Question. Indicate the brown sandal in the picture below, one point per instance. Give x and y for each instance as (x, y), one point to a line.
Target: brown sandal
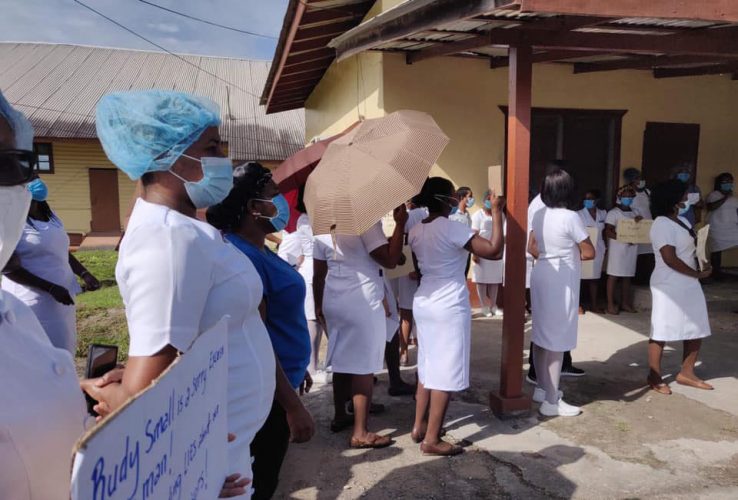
(661, 388)
(441, 449)
(418, 436)
(374, 441)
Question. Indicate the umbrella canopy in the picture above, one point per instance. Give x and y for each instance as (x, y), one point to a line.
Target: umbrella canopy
(293, 173)
(374, 168)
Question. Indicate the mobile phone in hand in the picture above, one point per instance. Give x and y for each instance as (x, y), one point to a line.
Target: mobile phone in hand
(100, 360)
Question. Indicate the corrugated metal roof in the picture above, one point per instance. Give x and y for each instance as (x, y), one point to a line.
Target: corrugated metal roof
(58, 86)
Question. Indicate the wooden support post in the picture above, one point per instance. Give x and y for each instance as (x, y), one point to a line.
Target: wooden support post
(510, 398)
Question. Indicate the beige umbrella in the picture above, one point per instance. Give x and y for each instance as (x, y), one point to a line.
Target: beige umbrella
(376, 167)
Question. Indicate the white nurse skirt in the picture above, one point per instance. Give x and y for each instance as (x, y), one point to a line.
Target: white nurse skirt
(488, 271)
(555, 302)
(679, 310)
(357, 325)
(443, 318)
(59, 321)
(621, 259)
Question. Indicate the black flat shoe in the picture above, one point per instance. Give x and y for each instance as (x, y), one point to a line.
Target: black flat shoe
(342, 424)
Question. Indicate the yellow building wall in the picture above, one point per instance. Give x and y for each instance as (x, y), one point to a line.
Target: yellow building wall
(349, 91)
(69, 185)
(464, 96)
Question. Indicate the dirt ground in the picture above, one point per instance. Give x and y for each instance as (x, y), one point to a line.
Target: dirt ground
(628, 443)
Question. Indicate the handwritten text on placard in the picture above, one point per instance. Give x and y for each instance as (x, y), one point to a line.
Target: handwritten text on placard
(170, 441)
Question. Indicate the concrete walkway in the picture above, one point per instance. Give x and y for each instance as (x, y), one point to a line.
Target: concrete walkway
(629, 442)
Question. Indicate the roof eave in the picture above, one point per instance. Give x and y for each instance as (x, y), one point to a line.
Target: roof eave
(408, 18)
(290, 23)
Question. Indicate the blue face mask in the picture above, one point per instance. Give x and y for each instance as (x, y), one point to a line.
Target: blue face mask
(38, 190)
(626, 202)
(683, 176)
(216, 182)
(725, 187)
(279, 220)
(470, 202)
(683, 210)
(488, 204)
(589, 204)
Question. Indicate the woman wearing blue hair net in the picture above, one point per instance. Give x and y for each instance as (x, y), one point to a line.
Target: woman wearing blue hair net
(177, 275)
(42, 411)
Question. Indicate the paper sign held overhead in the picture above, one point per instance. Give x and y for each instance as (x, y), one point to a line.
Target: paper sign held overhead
(494, 180)
(170, 440)
(630, 231)
(703, 254)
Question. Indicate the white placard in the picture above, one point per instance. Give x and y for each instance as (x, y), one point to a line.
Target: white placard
(703, 256)
(630, 231)
(402, 269)
(170, 440)
(588, 265)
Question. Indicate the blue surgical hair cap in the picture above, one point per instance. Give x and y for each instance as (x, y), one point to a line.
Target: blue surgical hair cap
(22, 128)
(147, 130)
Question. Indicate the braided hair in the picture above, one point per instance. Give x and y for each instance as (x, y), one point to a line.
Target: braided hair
(249, 180)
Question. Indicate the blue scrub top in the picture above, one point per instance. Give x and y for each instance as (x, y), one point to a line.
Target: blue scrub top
(284, 294)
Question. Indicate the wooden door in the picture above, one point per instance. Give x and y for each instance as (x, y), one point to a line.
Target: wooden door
(104, 200)
(667, 145)
(588, 144)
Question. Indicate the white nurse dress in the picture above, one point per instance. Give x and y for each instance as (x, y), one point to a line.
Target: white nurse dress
(405, 286)
(621, 257)
(723, 222)
(352, 301)
(556, 277)
(486, 271)
(598, 222)
(679, 309)
(304, 234)
(441, 307)
(42, 410)
(642, 207)
(178, 277)
(43, 250)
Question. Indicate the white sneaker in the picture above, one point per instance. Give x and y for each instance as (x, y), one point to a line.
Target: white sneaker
(561, 409)
(539, 395)
(486, 312)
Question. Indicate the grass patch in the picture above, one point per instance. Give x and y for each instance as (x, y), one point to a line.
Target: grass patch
(100, 315)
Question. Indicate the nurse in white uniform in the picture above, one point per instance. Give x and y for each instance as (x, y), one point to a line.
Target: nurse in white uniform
(349, 296)
(593, 216)
(305, 235)
(487, 275)
(405, 288)
(641, 206)
(177, 275)
(42, 411)
(559, 242)
(621, 257)
(722, 215)
(42, 271)
(442, 310)
(679, 309)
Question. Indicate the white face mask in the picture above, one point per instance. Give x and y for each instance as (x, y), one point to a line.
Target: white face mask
(14, 203)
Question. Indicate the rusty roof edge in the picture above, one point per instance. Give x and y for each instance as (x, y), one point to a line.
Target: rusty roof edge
(289, 20)
(393, 23)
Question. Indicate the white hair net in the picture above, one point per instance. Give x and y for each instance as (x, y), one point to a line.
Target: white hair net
(147, 130)
(19, 123)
